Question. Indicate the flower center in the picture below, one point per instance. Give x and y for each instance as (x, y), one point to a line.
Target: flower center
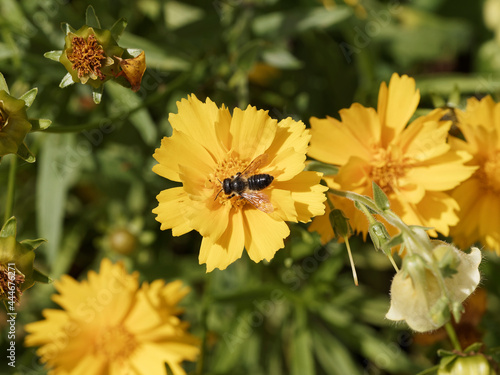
(87, 56)
(115, 343)
(227, 169)
(488, 173)
(7, 279)
(387, 169)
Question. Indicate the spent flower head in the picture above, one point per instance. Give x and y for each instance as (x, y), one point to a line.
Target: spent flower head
(17, 272)
(110, 325)
(92, 56)
(242, 178)
(14, 122)
(413, 165)
(479, 196)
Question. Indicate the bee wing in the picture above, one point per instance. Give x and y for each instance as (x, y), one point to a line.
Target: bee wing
(254, 165)
(259, 200)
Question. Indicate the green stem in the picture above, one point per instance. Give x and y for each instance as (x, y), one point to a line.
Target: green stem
(200, 367)
(417, 244)
(178, 82)
(9, 205)
(353, 268)
(453, 336)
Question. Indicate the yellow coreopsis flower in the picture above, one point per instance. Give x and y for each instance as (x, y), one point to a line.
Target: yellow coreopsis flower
(413, 165)
(479, 196)
(109, 325)
(210, 152)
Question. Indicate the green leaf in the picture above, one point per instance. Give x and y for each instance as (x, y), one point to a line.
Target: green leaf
(179, 14)
(124, 99)
(318, 166)
(157, 57)
(24, 153)
(302, 361)
(66, 28)
(66, 81)
(281, 58)
(53, 55)
(475, 347)
(97, 94)
(380, 198)
(60, 163)
(118, 28)
(40, 277)
(38, 124)
(91, 18)
(9, 229)
(29, 96)
(394, 241)
(321, 18)
(134, 52)
(33, 244)
(332, 355)
(3, 84)
(454, 98)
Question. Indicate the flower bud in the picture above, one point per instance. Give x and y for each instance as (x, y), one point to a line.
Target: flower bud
(14, 124)
(16, 263)
(419, 298)
(340, 224)
(475, 364)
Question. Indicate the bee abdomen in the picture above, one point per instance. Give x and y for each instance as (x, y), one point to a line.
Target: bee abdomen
(259, 181)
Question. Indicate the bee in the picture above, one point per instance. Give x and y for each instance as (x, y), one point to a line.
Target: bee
(248, 185)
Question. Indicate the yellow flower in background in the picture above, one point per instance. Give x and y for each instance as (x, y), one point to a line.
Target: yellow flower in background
(413, 165)
(207, 150)
(479, 196)
(108, 325)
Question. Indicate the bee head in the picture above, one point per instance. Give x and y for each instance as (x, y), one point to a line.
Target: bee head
(226, 186)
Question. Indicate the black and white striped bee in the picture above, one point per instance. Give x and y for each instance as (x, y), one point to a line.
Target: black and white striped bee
(248, 185)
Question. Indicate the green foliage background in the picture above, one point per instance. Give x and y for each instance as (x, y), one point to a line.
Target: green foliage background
(92, 182)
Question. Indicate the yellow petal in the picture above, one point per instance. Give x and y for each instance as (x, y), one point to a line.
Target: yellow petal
(363, 123)
(253, 132)
(182, 149)
(172, 211)
(443, 172)
(307, 193)
(227, 248)
(263, 235)
(198, 120)
(210, 218)
(438, 210)
(396, 105)
(332, 142)
(425, 137)
(288, 149)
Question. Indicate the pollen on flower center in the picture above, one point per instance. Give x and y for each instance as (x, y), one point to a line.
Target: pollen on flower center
(87, 57)
(6, 283)
(488, 173)
(387, 170)
(115, 343)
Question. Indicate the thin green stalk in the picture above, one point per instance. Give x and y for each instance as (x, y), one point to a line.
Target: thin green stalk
(206, 301)
(9, 204)
(354, 274)
(453, 336)
(178, 82)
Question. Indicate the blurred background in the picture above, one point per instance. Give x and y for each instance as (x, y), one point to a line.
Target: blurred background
(91, 191)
